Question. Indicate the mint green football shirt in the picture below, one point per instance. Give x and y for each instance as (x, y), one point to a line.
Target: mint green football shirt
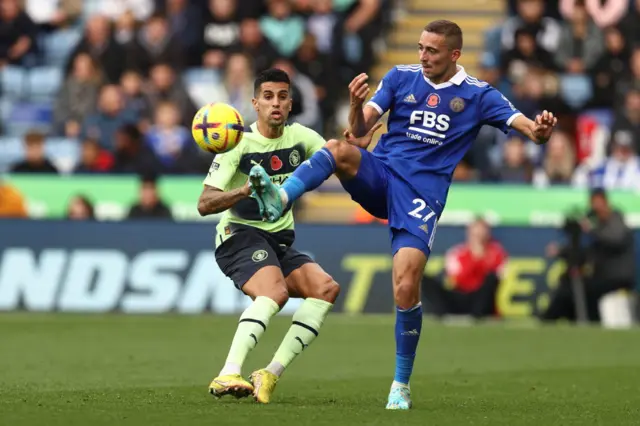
(280, 158)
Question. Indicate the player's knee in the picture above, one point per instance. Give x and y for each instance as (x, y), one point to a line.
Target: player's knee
(324, 289)
(280, 296)
(343, 153)
(278, 293)
(333, 145)
(406, 295)
(406, 289)
(329, 290)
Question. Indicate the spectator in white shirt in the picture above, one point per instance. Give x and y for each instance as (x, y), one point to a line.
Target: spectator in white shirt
(620, 171)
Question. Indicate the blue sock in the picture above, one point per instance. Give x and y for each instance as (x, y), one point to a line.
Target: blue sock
(408, 328)
(310, 174)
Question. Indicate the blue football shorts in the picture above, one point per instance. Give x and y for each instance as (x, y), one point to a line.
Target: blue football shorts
(413, 218)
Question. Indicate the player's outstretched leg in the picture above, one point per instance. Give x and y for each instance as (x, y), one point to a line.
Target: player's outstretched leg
(321, 291)
(252, 324)
(408, 268)
(266, 193)
(335, 156)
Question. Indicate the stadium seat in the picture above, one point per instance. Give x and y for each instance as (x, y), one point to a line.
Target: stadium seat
(13, 81)
(12, 152)
(59, 45)
(64, 153)
(44, 82)
(6, 104)
(25, 116)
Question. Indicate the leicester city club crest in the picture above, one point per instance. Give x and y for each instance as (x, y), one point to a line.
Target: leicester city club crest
(456, 104)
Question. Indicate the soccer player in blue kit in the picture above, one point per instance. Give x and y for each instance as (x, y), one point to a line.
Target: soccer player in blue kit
(435, 112)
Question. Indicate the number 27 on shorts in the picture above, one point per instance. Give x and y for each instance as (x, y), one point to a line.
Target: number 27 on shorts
(426, 218)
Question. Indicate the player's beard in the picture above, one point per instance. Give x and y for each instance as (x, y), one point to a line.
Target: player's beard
(276, 122)
(432, 73)
(439, 75)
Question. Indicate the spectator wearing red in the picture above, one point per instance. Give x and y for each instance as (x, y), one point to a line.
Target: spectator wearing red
(473, 271)
(93, 158)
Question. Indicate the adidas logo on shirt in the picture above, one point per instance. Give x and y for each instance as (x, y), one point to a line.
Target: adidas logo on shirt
(410, 99)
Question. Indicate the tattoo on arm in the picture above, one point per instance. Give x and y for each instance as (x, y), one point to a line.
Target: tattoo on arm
(214, 200)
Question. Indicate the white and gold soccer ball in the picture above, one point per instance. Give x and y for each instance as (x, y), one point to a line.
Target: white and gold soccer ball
(217, 127)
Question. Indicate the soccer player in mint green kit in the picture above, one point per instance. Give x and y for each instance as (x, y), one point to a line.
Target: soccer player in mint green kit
(258, 256)
(435, 112)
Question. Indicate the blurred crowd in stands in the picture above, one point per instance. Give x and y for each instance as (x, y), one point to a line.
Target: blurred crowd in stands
(581, 60)
(93, 86)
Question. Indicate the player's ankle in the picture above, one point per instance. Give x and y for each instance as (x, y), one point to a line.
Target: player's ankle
(396, 384)
(275, 368)
(230, 368)
(284, 197)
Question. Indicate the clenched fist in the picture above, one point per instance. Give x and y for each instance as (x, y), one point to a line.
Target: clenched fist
(358, 90)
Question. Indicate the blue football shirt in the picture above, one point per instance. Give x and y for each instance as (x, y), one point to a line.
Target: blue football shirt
(431, 126)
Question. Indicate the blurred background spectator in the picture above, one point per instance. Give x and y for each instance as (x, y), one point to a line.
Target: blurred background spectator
(87, 71)
(473, 271)
(35, 160)
(580, 59)
(149, 204)
(604, 265)
(80, 208)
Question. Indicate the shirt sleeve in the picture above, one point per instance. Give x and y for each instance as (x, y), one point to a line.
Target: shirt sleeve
(496, 110)
(382, 99)
(222, 169)
(312, 140)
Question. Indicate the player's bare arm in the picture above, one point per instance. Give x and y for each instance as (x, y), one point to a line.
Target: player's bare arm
(214, 200)
(361, 120)
(539, 130)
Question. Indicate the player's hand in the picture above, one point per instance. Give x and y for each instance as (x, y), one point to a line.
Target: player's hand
(544, 125)
(246, 189)
(358, 90)
(364, 141)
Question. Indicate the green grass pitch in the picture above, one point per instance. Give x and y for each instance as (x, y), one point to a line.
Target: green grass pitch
(117, 369)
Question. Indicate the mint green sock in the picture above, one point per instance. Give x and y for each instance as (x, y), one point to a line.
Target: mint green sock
(307, 321)
(253, 323)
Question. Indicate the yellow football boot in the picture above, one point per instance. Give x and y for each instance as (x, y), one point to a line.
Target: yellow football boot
(231, 384)
(264, 383)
